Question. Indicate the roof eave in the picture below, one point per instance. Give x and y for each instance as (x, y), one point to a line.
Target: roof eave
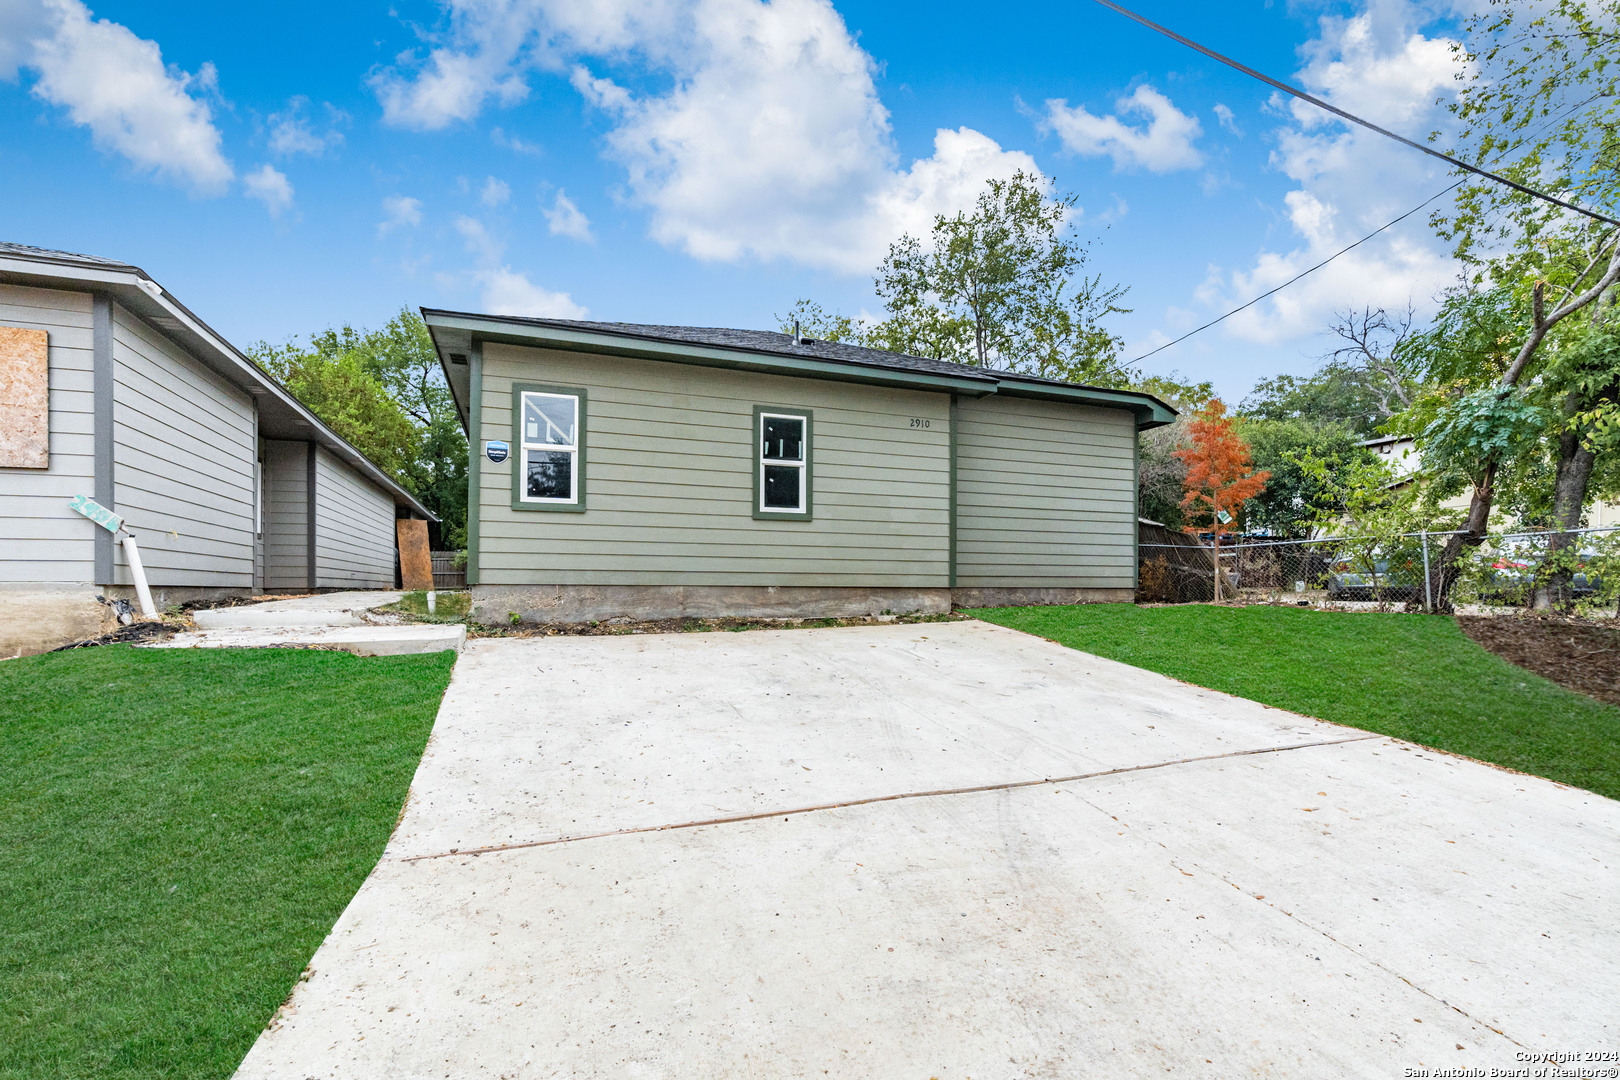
(1150, 412)
(138, 292)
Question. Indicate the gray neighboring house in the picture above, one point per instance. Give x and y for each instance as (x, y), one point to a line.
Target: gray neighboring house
(622, 470)
(230, 486)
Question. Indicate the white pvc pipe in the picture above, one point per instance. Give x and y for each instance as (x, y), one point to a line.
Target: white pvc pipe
(431, 597)
(138, 573)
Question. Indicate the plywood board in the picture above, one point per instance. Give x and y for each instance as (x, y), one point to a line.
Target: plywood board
(25, 399)
(415, 560)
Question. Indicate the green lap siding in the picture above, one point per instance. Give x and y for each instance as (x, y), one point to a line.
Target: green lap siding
(670, 452)
(1046, 495)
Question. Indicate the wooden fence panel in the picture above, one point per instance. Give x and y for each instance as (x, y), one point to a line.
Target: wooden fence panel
(449, 571)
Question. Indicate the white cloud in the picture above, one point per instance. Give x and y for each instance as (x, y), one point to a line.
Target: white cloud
(270, 187)
(769, 142)
(507, 291)
(500, 137)
(1349, 181)
(22, 22)
(402, 210)
(454, 81)
(116, 84)
(1163, 144)
(494, 192)
(292, 131)
(566, 219)
(1227, 118)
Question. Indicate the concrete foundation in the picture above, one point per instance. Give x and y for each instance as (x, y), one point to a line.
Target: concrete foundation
(39, 618)
(977, 598)
(496, 604)
(165, 596)
(595, 603)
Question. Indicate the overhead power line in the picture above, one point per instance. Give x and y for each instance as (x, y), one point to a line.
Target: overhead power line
(1296, 277)
(1354, 119)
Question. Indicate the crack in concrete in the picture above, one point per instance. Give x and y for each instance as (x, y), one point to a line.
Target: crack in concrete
(1353, 950)
(870, 800)
(1363, 957)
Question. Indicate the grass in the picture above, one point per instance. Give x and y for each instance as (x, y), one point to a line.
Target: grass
(448, 607)
(178, 832)
(1411, 676)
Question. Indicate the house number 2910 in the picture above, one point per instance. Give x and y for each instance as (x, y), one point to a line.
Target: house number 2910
(917, 421)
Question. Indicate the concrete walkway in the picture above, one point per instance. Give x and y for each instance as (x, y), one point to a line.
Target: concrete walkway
(340, 620)
(1233, 890)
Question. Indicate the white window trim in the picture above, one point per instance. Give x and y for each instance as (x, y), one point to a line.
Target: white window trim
(552, 448)
(803, 464)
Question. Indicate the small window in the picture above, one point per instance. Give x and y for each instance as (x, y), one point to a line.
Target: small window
(782, 477)
(549, 439)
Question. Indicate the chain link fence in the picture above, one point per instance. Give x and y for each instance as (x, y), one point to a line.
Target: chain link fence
(1385, 573)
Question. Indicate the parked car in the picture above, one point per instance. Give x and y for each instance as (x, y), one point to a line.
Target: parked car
(1509, 579)
(1514, 572)
(1349, 580)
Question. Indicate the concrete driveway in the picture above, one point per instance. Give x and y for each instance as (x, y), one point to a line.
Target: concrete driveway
(1226, 889)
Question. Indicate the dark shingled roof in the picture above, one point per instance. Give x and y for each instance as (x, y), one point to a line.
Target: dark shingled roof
(773, 343)
(66, 257)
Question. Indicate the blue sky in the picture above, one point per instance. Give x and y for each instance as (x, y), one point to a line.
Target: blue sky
(710, 161)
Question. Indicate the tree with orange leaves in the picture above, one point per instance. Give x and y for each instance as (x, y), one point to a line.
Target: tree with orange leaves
(1218, 478)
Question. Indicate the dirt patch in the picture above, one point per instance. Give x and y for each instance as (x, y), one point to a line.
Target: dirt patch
(133, 634)
(1581, 656)
(239, 601)
(611, 627)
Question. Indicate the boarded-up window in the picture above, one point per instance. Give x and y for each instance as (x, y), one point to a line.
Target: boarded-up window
(25, 399)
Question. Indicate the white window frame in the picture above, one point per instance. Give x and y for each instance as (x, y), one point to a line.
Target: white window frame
(803, 464)
(525, 446)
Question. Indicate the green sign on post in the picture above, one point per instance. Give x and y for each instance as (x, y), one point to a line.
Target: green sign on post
(97, 513)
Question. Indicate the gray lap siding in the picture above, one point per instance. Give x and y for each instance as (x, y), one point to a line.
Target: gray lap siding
(286, 515)
(41, 539)
(354, 529)
(183, 451)
(670, 452)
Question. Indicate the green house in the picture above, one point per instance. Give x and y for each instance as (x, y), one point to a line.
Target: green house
(653, 472)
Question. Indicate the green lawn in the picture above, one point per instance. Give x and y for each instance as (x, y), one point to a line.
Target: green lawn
(179, 829)
(1415, 677)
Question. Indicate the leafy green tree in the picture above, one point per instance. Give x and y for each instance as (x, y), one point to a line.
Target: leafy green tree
(1002, 285)
(1363, 504)
(349, 399)
(809, 319)
(1539, 102)
(383, 391)
(1336, 394)
(1582, 386)
(1296, 499)
(1363, 383)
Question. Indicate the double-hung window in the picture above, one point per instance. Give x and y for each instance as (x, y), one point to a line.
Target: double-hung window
(782, 473)
(550, 438)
